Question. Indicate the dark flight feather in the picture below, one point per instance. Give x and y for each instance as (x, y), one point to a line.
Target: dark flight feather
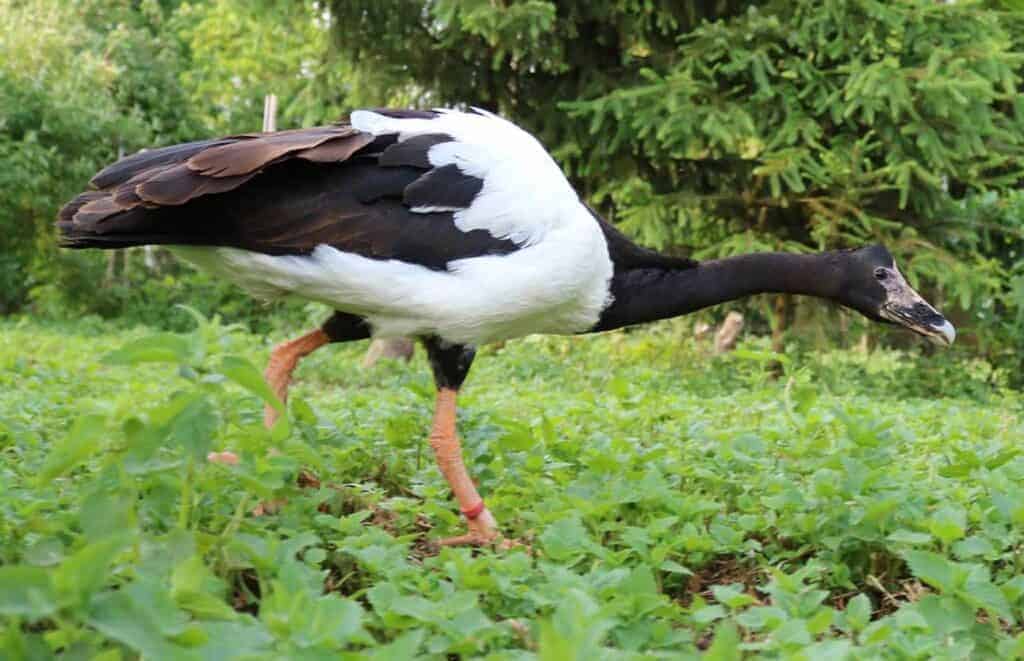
(446, 187)
(128, 167)
(288, 192)
(67, 213)
(413, 151)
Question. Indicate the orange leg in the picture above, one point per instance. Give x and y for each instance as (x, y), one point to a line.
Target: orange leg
(443, 439)
(283, 360)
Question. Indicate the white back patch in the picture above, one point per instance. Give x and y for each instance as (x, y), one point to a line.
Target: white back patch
(524, 196)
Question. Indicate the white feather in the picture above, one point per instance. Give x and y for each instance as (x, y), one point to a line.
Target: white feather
(525, 195)
(430, 209)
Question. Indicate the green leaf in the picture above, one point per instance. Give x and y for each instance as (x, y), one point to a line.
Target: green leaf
(973, 547)
(120, 616)
(194, 426)
(980, 592)
(904, 536)
(26, 592)
(858, 612)
(565, 539)
(85, 572)
(932, 568)
(725, 645)
(191, 583)
(948, 524)
(708, 614)
(516, 437)
(674, 567)
(946, 615)
(1013, 589)
(732, 596)
(104, 513)
(81, 442)
(160, 348)
(332, 621)
(245, 374)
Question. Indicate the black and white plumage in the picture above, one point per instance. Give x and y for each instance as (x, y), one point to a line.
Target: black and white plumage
(457, 225)
(457, 228)
(447, 224)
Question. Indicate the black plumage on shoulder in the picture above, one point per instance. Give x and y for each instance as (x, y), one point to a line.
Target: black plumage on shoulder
(412, 151)
(446, 187)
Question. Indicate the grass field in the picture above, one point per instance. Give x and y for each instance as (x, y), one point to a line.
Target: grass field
(670, 503)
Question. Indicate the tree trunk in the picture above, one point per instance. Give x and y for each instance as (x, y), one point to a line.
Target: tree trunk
(115, 267)
(780, 323)
(729, 332)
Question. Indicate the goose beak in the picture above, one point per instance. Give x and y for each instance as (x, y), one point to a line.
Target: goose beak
(924, 320)
(905, 307)
(944, 335)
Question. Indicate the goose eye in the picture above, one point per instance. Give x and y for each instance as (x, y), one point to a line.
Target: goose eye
(881, 274)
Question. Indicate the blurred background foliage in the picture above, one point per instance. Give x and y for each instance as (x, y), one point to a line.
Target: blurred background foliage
(713, 128)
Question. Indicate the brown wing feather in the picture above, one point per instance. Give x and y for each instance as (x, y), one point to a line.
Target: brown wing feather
(176, 175)
(150, 159)
(319, 186)
(245, 157)
(96, 211)
(335, 151)
(71, 208)
(178, 184)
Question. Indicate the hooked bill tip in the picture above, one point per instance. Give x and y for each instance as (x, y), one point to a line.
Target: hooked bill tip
(944, 334)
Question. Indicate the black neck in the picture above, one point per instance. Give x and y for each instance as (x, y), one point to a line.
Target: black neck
(647, 294)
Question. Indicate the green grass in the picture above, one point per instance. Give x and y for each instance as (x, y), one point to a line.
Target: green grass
(674, 504)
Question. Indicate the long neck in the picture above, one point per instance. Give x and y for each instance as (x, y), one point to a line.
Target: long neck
(647, 294)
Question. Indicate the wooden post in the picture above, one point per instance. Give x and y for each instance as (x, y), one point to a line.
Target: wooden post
(780, 322)
(270, 113)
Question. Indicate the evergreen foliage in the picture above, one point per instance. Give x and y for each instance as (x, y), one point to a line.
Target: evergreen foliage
(797, 125)
(82, 82)
(713, 128)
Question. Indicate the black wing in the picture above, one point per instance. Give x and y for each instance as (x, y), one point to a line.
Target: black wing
(284, 194)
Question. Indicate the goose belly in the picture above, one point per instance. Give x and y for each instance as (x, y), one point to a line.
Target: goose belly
(559, 285)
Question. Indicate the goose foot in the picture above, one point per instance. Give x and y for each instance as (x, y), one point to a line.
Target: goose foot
(483, 531)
